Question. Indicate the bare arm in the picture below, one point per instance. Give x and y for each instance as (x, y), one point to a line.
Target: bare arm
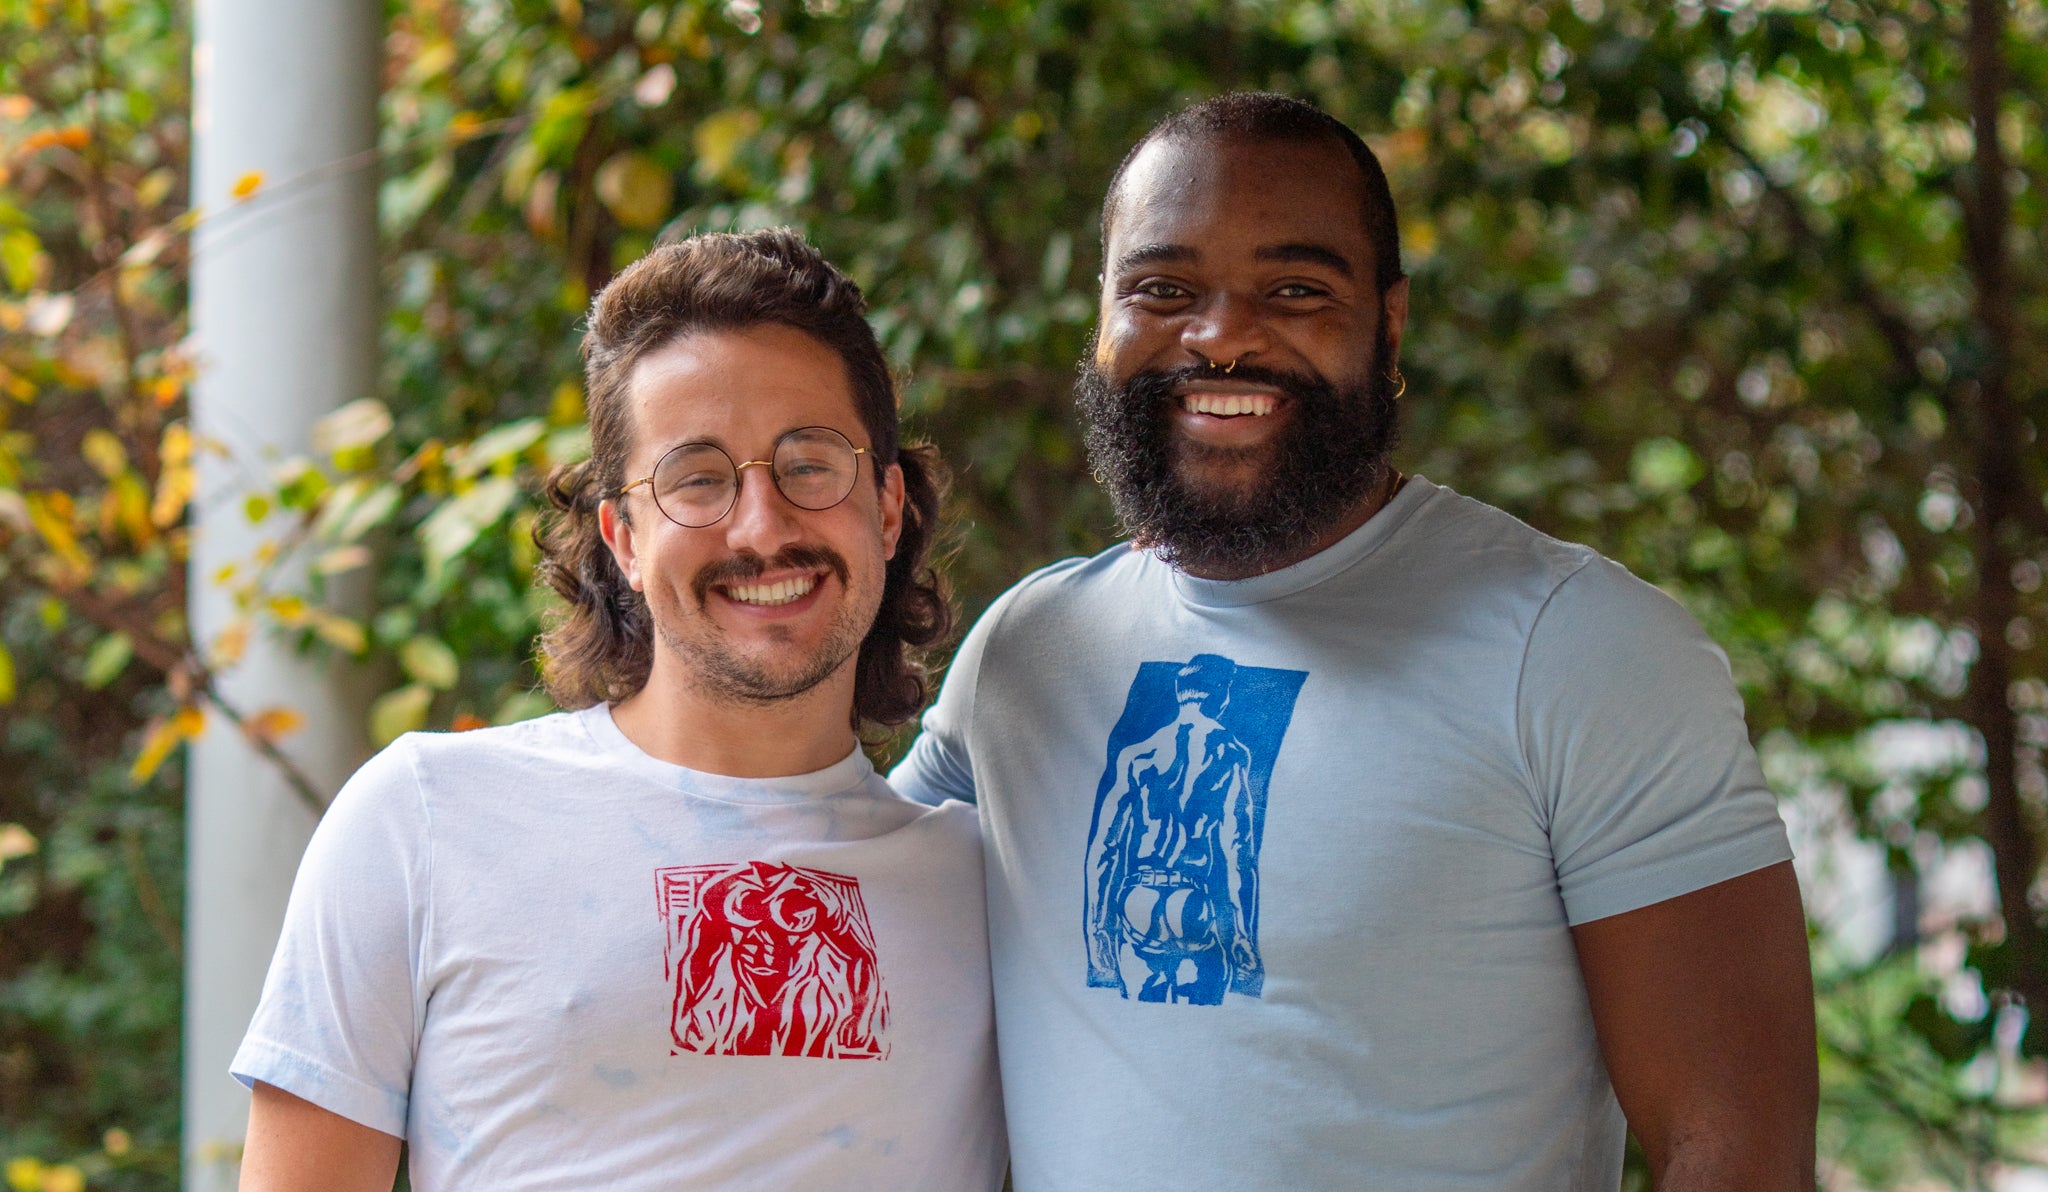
(296, 1146)
(1704, 1009)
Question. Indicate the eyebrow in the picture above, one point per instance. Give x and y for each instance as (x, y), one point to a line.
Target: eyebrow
(1310, 254)
(1304, 253)
(1152, 254)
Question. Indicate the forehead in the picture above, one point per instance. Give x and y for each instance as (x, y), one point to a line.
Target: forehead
(739, 388)
(1223, 196)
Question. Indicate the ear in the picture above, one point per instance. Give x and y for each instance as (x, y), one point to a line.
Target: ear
(892, 509)
(618, 535)
(1394, 309)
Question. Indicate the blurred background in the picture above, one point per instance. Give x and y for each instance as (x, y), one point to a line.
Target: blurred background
(1749, 296)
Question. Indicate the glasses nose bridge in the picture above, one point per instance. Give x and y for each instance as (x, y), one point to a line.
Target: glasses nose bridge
(739, 482)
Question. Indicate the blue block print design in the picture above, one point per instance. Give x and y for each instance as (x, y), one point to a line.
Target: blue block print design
(1171, 912)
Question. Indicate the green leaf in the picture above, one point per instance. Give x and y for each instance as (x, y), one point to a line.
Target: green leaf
(429, 660)
(399, 712)
(499, 444)
(355, 508)
(20, 257)
(454, 526)
(107, 658)
(358, 424)
(522, 705)
(1664, 466)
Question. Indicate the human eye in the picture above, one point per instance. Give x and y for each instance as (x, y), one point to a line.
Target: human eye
(1300, 291)
(1158, 289)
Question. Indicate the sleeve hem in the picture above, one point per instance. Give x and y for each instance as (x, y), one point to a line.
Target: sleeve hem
(1623, 892)
(310, 1080)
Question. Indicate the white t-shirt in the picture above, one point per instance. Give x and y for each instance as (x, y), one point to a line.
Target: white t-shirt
(550, 961)
(1281, 871)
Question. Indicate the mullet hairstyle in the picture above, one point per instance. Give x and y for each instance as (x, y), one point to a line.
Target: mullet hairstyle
(600, 648)
(1267, 116)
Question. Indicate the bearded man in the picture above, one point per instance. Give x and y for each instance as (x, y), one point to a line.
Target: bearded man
(682, 936)
(1503, 876)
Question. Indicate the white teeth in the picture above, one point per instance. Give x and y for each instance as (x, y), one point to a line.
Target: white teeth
(1258, 405)
(780, 592)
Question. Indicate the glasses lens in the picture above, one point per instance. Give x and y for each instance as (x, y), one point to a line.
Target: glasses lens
(815, 467)
(695, 484)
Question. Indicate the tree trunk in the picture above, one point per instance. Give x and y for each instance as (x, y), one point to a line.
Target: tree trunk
(1998, 431)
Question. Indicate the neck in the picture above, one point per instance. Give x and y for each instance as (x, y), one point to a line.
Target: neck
(677, 721)
(1374, 500)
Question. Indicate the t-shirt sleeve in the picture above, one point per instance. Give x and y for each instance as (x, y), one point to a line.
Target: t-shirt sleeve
(1634, 736)
(939, 765)
(338, 1023)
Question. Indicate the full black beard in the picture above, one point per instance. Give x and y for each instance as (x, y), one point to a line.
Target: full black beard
(1335, 450)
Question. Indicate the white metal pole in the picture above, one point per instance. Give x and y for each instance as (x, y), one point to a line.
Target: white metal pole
(285, 319)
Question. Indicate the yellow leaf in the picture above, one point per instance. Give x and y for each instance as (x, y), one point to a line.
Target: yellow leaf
(51, 514)
(104, 452)
(25, 1174)
(342, 558)
(399, 712)
(190, 721)
(6, 675)
(289, 609)
(719, 138)
(635, 189)
(464, 125)
(229, 645)
(158, 740)
(16, 842)
(337, 631)
(63, 1178)
(272, 723)
(131, 504)
(248, 184)
(177, 481)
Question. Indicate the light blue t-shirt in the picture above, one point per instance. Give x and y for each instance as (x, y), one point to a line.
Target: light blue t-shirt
(1281, 871)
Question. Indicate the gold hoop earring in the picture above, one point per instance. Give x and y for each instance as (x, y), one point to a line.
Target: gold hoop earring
(1399, 381)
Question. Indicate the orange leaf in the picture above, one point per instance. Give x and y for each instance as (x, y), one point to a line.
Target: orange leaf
(163, 736)
(465, 721)
(272, 723)
(248, 184)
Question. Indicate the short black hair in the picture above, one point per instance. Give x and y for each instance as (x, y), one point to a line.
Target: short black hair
(1269, 116)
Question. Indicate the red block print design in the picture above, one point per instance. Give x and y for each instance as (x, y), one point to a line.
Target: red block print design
(770, 959)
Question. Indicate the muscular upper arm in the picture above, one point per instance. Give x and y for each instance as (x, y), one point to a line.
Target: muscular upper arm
(296, 1145)
(1704, 1009)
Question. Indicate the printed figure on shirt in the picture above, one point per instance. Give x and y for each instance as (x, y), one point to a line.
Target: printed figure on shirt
(1172, 901)
(769, 959)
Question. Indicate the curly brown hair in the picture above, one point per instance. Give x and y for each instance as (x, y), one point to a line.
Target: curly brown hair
(600, 647)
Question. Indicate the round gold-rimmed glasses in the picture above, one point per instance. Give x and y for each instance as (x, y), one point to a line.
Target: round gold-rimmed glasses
(696, 484)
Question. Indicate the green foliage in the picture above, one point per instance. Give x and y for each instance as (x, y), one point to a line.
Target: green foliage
(1692, 283)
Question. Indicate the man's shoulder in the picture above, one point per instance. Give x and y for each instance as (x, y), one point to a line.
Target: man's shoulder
(525, 747)
(1066, 586)
(1455, 525)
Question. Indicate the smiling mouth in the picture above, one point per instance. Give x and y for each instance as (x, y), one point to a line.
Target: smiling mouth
(766, 595)
(1230, 405)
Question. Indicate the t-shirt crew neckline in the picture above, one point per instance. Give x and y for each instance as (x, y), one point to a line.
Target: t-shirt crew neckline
(843, 775)
(1346, 552)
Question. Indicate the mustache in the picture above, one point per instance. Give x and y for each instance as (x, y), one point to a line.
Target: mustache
(748, 565)
(1153, 382)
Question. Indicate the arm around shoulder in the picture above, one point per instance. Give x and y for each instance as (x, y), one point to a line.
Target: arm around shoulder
(296, 1146)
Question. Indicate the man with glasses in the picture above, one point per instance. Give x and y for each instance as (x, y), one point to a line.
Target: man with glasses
(681, 936)
(1349, 833)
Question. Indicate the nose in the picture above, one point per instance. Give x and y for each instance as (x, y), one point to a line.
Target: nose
(762, 519)
(1225, 328)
